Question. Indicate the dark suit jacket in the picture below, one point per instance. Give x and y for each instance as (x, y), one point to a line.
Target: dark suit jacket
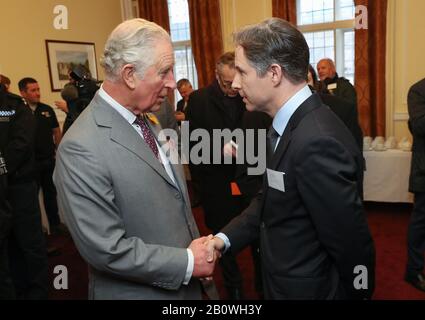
(344, 89)
(4, 207)
(416, 106)
(180, 105)
(208, 109)
(347, 112)
(315, 233)
(17, 132)
(249, 185)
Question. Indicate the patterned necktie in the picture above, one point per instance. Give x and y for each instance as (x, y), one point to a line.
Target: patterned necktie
(147, 134)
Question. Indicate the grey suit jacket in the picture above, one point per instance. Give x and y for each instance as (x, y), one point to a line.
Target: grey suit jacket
(129, 221)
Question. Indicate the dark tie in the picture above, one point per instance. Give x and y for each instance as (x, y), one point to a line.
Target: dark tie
(147, 134)
(272, 136)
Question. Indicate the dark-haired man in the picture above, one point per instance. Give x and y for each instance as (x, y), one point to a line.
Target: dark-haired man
(184, 87)
(47, 138)
(314, 238)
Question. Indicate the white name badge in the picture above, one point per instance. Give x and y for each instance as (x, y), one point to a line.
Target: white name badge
(276, 180)
(332, 86)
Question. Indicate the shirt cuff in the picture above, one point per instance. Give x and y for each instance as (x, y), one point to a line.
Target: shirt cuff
(190, 265)
(226, 240)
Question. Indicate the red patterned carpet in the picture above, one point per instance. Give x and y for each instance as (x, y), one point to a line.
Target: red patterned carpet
(388, 223)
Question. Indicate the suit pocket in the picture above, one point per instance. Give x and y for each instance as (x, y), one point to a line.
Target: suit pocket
(294, 288)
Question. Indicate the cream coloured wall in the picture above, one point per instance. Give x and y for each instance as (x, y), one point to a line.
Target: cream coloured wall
(405, 63)
(26, 24)
(238, 13)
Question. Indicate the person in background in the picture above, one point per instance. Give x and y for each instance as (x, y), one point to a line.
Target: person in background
(47, 138)
(5, 81)
(309, 217)
(250, 185)
(416, 232)
(27, 251)
(334, 84)
(76, 94)
(344, 109)
(219, 107)
(185, 89)
(7, 291)
(125, 203)
(165, 116)
(69, 95)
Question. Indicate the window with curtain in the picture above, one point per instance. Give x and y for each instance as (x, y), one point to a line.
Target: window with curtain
(328, 26)
(180, 36)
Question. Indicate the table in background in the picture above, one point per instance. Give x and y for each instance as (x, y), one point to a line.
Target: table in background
(387, 176)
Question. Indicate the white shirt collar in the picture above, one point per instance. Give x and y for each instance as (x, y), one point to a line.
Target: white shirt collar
(285, 113)
(127, 114)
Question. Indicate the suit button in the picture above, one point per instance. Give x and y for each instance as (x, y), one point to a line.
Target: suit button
(263, 225)
(178, 196)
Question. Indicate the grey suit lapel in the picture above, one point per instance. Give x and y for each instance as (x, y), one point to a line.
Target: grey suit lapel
(125, 135)
(178, 174)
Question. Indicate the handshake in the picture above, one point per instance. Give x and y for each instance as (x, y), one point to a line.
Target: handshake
(206, 251)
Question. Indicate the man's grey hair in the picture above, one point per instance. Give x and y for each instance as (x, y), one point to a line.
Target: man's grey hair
(131, 42)
(275, 41)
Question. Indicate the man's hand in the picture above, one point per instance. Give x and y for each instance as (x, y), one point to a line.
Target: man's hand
(205, 257)
(62, 105)
(215, 246)
(180, 116)
(230, 149)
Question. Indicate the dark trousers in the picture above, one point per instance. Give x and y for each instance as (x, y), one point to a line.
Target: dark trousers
(255, 252)
(232, 277)
(256, 258)
(416, 237)
(27, 248)
(7, 290)
(45, 170)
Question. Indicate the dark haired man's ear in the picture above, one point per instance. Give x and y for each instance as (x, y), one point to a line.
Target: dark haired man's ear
(276, 74)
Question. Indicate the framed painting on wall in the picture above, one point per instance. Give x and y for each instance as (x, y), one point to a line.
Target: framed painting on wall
(64, 56)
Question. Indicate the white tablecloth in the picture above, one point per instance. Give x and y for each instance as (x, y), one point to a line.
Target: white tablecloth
(387, 176)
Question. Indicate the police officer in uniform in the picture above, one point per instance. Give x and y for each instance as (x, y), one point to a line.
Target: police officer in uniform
(6, 286)
(47, 139)
(26, 244)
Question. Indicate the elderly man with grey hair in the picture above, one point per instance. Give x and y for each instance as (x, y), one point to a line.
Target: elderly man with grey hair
(125, 204)
(332, 83)
(314, 238)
